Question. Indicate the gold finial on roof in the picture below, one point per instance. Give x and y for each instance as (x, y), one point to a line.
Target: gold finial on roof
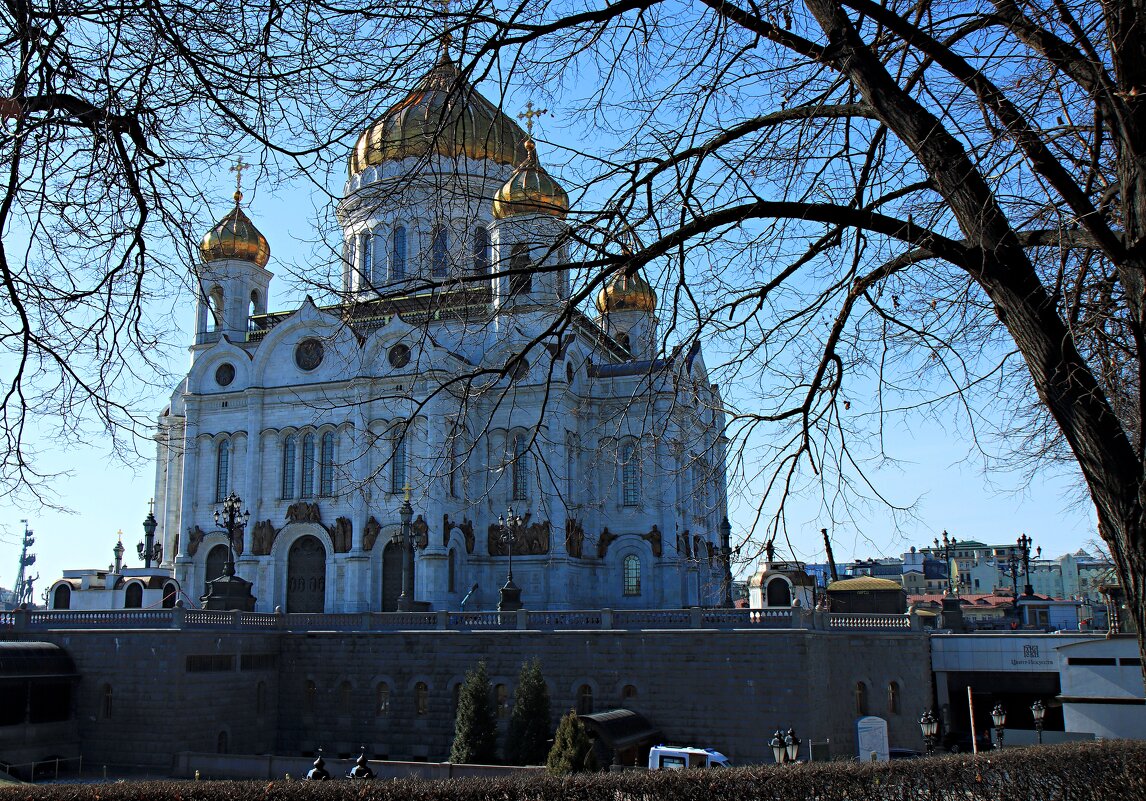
(240, 165)
(120, 534)
(151, 506)
(529, 114)
(444, 12)
(406, 491)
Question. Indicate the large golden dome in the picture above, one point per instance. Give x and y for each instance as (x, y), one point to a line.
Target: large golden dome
(625, 292)
(530, 190)
(235, 237)
(443, 115)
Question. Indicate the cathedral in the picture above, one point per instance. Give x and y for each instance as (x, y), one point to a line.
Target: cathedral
(461, 419)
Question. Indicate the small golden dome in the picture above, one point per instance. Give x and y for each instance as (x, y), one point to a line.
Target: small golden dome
(530, 190)
(235, 237)
(624, 292)
(442, 115)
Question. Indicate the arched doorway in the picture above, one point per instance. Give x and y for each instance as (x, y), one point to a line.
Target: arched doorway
(216, 561)
(62, 597)
(391, 576)
(778, 593)
(306, 576)
(133, 596)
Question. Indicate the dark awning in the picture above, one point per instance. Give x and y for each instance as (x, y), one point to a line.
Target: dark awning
(31, 660)
(621, 728)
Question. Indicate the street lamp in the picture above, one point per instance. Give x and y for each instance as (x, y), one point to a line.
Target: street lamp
(947, 548)
(229, 591)
(1038, 711)
(1025, 543)
(149, 550)
(929, 724)
(779, 749)
(726, 555)
(792, 745)
(510, 529)
(404, 539)
(999, 718)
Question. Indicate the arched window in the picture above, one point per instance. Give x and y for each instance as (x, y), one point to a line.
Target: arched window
(628, 695)
(501, 693)
(170, 591)
(481, 251)
(585, 700)
(326, 465)
(62, 597)
(521, 277)
(398, 254)
(222, 470)
(308, 466)
(382, 700)
(520, 468)
(309, 698)
(398, 463)
(365, 257)
(345, 698)
(216, 562)
(893, 698)
(253, 309)
(439, 251)
(452, 571)
(630, 475)
(216, 304)
(632, 573)
(133, 596)
(105, 707)
(861, 698)
(290, 455)
(779, 593)
(377, 274)
(421, 699)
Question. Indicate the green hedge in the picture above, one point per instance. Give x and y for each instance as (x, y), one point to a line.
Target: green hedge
(1110, 771)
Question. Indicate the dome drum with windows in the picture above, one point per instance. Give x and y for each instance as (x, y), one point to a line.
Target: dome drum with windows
(235, 237)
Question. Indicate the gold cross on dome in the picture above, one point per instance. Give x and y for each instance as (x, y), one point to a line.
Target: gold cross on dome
(529, 114)
(151, 506)
(240, 165)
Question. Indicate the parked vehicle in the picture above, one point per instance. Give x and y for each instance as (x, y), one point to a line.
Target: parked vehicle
(679, 757)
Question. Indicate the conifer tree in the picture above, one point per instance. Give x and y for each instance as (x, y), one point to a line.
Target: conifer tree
(527, 739)
(572, 750)
(475, 729)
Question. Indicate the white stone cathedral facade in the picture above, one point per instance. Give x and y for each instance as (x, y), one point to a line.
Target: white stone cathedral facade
(458, 367)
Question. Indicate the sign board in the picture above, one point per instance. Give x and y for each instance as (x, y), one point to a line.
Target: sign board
(871, 738)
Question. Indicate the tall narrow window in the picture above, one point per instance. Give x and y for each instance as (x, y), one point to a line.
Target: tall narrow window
(421, 698)
(455, 452)
(222, 470)
(892, 698)
(326, 465)
(398, 463)
(378, 260)
(452, 572)
(570, 468)
(439, 251)
(365, 257)
(861, 698)
(520, 278)
(630, 475)
(520, 468)
(481, 251)
(308, 466)
(398, 254)
(632, 573)
(290, 454)
(585, 700)
(382, 700)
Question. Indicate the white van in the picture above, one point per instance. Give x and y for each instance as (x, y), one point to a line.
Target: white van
(679, 757)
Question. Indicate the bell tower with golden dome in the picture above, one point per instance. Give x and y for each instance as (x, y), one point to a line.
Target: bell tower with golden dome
(233, 279)
(627, 306)
(528, 230)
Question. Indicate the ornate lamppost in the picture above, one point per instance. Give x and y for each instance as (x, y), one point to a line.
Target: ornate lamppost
(405, 541)
(929, 724)
(229, 591)
(779, 751)
(792, 746)
(1038, 711)
(510, 528)
(726, 555)
(999, 718)
(149, 550)
(947, 548)
(1025, 543)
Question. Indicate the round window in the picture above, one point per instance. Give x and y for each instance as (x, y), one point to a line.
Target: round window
(308, 354)
(225, 374)
(399, 356)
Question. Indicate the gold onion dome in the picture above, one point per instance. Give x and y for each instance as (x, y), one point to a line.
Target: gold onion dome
(235, 237)
(625, 292)
(530, 190)
(445, 116)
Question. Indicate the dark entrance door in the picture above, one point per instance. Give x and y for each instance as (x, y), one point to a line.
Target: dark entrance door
(778, 593)
(216, 562)
(391, 577)
(306, 576)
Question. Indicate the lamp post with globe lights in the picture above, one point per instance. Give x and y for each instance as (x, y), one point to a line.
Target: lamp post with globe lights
(229, 591)
(792, 746)
(929, 725)
(510, 529)
(999, 718)
(1038, 711)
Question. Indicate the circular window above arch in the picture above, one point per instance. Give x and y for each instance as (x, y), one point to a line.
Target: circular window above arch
(225, 374)
(308, 354)
(398, 356)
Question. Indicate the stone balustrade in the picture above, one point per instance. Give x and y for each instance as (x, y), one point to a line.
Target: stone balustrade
(536, 620)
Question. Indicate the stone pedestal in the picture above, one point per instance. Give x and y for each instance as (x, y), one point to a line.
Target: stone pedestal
(227, 593)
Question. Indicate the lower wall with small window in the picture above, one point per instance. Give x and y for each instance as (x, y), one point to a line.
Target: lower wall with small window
(148, 695)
